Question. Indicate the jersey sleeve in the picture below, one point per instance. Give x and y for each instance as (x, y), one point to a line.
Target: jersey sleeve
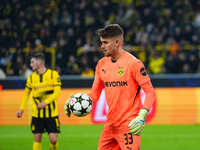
(56, 79)
(57, 88)
(150, 96)
(139, 73)
(97, 85)
(29, 82)
(143, 80)
(27, 92)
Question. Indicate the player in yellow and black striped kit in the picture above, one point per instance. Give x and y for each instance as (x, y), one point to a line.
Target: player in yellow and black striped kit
(44, 85)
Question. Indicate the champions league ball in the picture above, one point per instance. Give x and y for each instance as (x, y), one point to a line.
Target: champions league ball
(80, 104)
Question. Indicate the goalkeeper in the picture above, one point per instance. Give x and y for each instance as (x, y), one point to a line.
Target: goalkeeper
(122, 76)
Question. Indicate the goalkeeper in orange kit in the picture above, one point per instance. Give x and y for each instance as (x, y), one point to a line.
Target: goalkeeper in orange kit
(122, 76)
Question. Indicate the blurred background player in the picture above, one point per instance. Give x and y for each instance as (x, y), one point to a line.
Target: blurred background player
(45, 86)
(122, 76)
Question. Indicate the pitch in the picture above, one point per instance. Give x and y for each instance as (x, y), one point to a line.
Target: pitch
(85, 137)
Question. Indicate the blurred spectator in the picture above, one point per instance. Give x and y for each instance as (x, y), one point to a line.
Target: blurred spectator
(18, 66)
(2, 74)
(156, 63)
(186, 68)
(193, 63)
(72, 66)
(181, 62)
(170, 64)
(26, 71)
(87, 72)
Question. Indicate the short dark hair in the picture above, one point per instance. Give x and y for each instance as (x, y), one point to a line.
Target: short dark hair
(111, 30)
(38, 55)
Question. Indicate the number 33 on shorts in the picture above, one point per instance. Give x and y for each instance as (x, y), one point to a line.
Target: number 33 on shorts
(131, 142)
(128, 138)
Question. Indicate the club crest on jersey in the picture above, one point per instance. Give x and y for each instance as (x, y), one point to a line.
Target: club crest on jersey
(120, 72)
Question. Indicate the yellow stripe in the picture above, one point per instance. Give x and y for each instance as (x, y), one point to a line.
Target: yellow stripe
(34, 109)
(57, 123)
(51, 107)
(47, 111)
(33, 127)
(54, 111)
(41, 113)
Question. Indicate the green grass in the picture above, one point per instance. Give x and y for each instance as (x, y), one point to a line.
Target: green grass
(155, 137)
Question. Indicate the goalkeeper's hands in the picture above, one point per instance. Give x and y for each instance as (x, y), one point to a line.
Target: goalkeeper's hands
(136, 126)
(67, 109)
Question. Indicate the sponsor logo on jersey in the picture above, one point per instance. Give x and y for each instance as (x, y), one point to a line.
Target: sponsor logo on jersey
(44, 86)
(115, 83)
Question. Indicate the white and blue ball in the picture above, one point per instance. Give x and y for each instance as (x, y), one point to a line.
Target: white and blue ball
(80, 104)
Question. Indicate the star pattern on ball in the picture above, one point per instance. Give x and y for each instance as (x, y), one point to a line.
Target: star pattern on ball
(81, 105)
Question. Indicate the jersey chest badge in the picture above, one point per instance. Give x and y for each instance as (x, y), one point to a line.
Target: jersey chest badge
(120, 71)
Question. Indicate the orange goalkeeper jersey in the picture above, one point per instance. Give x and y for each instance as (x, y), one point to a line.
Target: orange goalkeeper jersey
(122, 81)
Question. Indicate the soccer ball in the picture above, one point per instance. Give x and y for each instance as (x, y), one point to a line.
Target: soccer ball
(80, 104)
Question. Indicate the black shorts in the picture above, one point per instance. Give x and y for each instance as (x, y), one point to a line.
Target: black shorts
(41, 125)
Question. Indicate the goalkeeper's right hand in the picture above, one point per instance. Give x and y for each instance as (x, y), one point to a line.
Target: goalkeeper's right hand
(67, 109)
(136, 126)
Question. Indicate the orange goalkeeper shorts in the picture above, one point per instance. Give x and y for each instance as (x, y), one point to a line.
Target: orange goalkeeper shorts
(118, 138)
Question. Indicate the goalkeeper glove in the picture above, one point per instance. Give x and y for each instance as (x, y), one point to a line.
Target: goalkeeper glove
(136, 126)
(67, 109)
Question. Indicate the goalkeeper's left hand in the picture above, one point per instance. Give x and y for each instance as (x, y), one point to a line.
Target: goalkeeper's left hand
(136, 126)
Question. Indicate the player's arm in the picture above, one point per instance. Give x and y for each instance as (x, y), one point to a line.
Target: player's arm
(97, 85)
(150, 95)
(94, 94)
(136, 126)
(25, 98)
(56, 91)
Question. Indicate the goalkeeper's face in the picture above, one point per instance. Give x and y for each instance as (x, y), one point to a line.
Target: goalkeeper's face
(109, 46)
(34, 64)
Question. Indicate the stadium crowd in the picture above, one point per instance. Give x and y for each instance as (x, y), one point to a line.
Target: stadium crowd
(165, 35)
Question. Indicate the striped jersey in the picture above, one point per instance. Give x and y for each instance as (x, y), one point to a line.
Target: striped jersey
(43, 88)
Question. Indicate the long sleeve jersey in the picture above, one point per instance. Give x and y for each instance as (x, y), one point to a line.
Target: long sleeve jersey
(122, 81)
(43, 88)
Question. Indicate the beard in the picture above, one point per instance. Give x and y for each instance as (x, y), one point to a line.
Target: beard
(107, 53)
